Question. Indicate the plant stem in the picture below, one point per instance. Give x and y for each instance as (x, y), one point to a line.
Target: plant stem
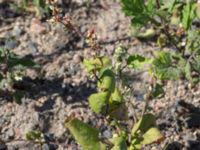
(106, 141)
(96, 77)
(157, 4)
(165, 30)
(148, 97)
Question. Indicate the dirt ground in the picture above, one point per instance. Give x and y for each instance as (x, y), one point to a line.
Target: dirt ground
(61, 86)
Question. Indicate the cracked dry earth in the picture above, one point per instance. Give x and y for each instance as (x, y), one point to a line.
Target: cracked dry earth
(61, 86)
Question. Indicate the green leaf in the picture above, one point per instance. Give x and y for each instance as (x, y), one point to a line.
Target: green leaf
(140, 20)
(168, 4)
(26, 62)
(162, 40)
(15, 61)
(116, 96)
(182, 63)
(117, 107)
(188, 14)
(137, 61)
(120, 53)
(107, 80)
(1, 77)
(119, 143)
(197, 63)
(149, 33)
(188, 70)
(135, 147)
(151, 136)
(118, 112)
(97, 64)
(99, 101)
(34, 135)
(147, 121)
(151, 5)
(90, 65)
(18, 95)
(106, 61)
(164, 66)
(85, 135)
(40, 3)
(175, 20)
(158, 91)
(41, 7)
(198, 10)
(193, 41)
(140, 12)
(145, 132)
(133, 7)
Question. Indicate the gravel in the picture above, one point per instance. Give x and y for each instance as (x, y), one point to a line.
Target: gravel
(60, 87)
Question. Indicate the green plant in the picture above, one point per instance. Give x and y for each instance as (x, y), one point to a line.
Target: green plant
(174, 20)
(12, 71)
(40, 7)
(35, 135)
(173, 24)
(110, 101)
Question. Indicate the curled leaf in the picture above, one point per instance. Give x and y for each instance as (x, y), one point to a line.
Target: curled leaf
(107, 81)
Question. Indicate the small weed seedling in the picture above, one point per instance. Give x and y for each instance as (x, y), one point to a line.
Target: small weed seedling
(110, 102)
(176, 24)
(12, 72)
(39, 7)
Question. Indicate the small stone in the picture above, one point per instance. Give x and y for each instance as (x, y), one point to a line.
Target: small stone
(11, 133)
(17, 31)
(110, 49)
(77, 58)
(33, 47)
(2, 121)
(11, 44)
(49, 146)
(37, 27)
(3, 147)
(154, 148)
(49, 137)
(45, 147)
(80, 2)
(107, 134)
